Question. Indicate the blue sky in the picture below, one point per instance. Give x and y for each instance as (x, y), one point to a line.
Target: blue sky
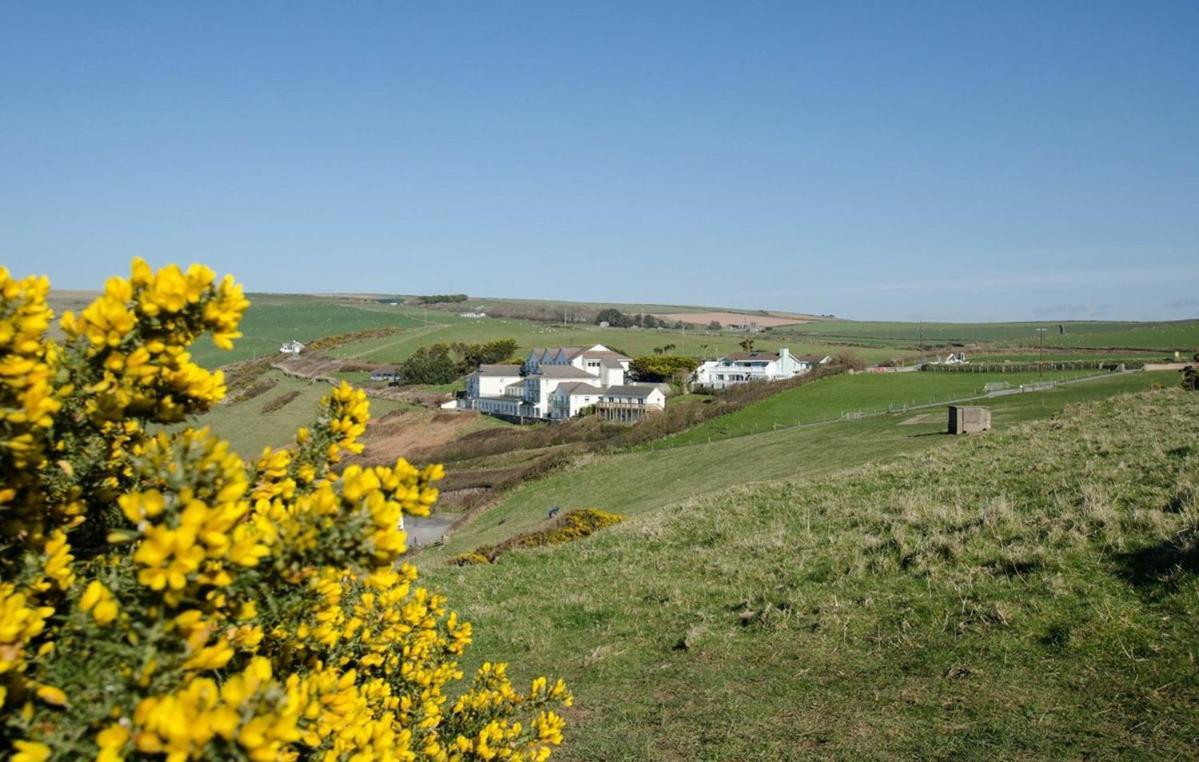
(961, 161)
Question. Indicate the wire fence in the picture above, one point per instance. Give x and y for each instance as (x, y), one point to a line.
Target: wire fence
(996, 390)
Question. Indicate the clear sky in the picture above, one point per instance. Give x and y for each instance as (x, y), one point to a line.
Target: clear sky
(941, 160)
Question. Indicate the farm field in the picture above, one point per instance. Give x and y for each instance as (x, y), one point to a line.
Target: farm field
(1081, 334)
(973, 599)
(635, 482)
(827, 398)
(272, 320)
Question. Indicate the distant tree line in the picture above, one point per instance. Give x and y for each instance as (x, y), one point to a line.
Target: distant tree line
(440, 298)
(443, 363)
(618, 319)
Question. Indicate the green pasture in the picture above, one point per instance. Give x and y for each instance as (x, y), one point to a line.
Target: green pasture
(827, 398)
(1025, 594)
(640, 481)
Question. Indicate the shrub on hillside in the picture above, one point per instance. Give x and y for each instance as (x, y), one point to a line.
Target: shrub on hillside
(161, 597)
(573, 525)
(663, 367)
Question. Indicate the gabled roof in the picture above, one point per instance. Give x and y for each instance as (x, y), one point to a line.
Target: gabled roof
(758, 356)
(562, 371)
(499, 370)
(814, 359)
(631, 390)
(601, 355)
(578, 388)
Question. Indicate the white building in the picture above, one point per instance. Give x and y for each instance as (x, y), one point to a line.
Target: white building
(558, 383)
(291, 348)
(740, 367)
(629, 403)
(609, 366)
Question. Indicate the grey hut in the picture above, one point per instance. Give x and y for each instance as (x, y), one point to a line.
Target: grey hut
(968, 420)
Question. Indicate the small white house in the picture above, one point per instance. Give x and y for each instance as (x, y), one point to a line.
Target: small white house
(475, 315)
(571, 399)
(291, 348)
(629, 403)
(741, 367)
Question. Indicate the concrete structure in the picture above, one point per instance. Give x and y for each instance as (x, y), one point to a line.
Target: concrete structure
(292, 348)
(968, 420)
(741, 367)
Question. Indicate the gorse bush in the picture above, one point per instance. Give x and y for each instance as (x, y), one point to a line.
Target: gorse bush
(160, 597)
(573, 525)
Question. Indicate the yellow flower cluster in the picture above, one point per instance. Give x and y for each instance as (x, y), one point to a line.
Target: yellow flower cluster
(137, 334)
(162, 599)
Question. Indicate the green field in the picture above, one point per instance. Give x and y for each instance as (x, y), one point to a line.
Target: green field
(828, 398)
(1029, 593)
(1083, 334)
(273, 319)
(640, 481)
(632, 341)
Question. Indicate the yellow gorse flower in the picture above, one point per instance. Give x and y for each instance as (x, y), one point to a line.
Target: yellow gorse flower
(162, 598)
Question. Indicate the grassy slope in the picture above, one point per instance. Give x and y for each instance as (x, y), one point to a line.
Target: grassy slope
(637, 482)
(828, 398)
(272, 320)
(985, 599)
(249, 429)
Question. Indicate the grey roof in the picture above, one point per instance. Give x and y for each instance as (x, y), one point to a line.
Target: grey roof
(814, 359)
(517, 385)
(499, 370)
(759, 356)
(630, 390)
(574, 388)
(562, 371)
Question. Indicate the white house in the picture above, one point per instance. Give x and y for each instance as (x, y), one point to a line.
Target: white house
(630, 402)
(556, 383)
(291, 348)
(740, 367)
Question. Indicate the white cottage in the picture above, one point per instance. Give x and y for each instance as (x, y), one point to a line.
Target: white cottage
(741, 367)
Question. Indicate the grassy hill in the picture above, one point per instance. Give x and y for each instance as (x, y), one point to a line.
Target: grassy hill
(1031, 592)
(641, 481)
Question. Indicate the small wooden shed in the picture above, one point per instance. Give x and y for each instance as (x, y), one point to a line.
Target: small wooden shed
(968, 420)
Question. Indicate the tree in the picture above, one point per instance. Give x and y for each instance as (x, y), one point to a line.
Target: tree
(663, 368)
(747, 344)
(714, 325)
(161, 596)
(430, 365)
(613, 317)
(649, 321)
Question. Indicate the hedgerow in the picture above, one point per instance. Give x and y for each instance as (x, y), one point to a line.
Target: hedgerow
(160, 597)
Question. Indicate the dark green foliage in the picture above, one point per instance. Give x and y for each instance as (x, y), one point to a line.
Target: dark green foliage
(614, 318)
(441, 299)
(663, 367)
(430, 365)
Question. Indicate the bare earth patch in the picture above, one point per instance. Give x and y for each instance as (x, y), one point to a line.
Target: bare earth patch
(730, 318)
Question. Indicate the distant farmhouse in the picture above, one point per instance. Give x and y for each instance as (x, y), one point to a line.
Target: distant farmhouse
(741, 367)
(291, 348)
(558, 383)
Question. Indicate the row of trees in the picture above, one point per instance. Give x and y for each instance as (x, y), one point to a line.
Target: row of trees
(441, 299)
(618, 319)
(443, 363)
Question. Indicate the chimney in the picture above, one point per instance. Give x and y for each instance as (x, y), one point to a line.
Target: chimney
(784, 358)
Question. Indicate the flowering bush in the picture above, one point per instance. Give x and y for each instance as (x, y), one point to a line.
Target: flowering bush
(159, 597)
(571, 526)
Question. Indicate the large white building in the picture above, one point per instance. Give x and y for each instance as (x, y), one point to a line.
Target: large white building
(557, 383)
(741, 367)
